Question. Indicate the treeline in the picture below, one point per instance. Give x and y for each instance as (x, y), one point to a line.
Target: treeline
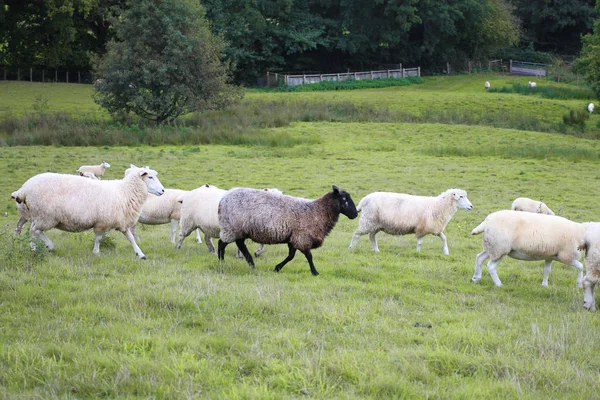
(312, 35)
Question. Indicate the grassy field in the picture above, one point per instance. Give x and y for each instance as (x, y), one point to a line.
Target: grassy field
(398, 324)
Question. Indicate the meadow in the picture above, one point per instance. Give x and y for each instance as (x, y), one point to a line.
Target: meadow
(395, 324)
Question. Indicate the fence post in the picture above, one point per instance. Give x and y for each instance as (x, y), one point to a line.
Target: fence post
(67, 75)
(30, 74)
(403, 72)
(355, 76)
(303, 79)
(371, 75)
(447, 68)
(43, 75)
(338, 77)
(78, 76)
(419, 70)
(388, 73)
(56, 75)
(4, 73)
(268, 80)
(18, 74)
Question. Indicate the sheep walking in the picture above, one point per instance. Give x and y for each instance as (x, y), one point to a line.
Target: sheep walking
(97, 170)
(271, 218)
(72, 204)
(529, 237)
(401, 214)
(529, 205)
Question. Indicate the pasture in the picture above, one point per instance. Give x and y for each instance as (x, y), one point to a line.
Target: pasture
(396, 324)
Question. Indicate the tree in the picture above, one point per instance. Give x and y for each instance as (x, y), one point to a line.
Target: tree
(589, 61)
(163, 62)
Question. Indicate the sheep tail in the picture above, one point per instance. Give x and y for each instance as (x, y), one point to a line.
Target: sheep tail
(360, 205)
(18, 196)
(480, 228)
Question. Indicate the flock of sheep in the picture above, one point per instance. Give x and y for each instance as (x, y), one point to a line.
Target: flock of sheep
(529, 231)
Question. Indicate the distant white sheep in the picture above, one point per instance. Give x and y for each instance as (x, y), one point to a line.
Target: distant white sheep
(163, 209)
(401, 214)
(590, 108)
(97, 170)
(487, 85)
(271, 218)
(532, 84)
(530, 205)
(529, 237)
(72, 204)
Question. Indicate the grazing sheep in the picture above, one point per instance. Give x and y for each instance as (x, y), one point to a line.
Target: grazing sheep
(590, 108)
(97, 170)
(163, 209)
(487, 85)
(87, 174)
(532, 84)
(401, 214)
(72, 204)
(529, 205)
(529, 237)
(271, 218)
(199, 210)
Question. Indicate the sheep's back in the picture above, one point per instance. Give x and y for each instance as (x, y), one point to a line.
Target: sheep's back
(395, 213)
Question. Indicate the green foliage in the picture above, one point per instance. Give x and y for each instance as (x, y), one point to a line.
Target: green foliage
(548, 92)
(163, 63)
(589, 61)
(576, 118)
(523, 54)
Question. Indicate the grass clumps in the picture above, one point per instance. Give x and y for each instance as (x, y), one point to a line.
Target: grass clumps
(548, 92)
(349, 84)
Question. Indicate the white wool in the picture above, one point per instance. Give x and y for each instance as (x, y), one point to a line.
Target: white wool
(532, 84)
(529, 237)
(530, 205)
(401, 214)
(97, 170)
(72, 204)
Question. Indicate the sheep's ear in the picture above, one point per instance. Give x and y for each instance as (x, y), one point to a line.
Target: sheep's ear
(206, 185)
(336, 190)
(132, 166)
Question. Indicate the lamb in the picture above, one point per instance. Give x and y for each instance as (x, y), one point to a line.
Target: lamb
(163, 209)
(401, 214)
(97, 170)
(529, 205)
(271, 218)
(590, 108)
(199, 210)
(87, 174)
(72, 204)
(487, 85)
(529, 237)
(532, 84)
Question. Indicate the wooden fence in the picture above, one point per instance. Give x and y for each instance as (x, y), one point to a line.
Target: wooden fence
(46, 75)
(528, 68)
(274, 79)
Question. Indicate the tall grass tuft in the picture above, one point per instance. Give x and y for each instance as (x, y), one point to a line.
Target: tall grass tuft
(548, 92)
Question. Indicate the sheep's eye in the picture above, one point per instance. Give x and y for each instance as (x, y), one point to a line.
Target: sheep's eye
(343, 198)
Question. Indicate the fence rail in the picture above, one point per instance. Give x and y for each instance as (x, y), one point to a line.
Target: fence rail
(274, 79)
(528, 68)
(46, 75)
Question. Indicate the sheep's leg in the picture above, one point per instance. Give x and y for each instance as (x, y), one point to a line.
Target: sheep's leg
(198, 238)
(221, 251)
(445, 242)
(579, 266)
(242, 247)
(238, 253)
(481, 257)
(491, 266)
(135, 235)
(174, 223)
(20, 224)
(96, 250)
(258, 251)
(373, 239)
(547, 268)
(209, 244)
(33, 231)
(138, 251)
(355, 238)
(290, 256)
(588, 294)
(308, 256)
(183, 233)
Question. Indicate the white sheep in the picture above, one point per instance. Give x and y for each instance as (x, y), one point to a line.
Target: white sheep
(529, 237)
(530, 205)
(87, 174)
(72, 204)
(200, 210)
(272, 218)
(23, 212)
(401, 214)
(163, 209)
(592, 265)
(590, 108)
(532, 84)
(97, 170)
(487, 85)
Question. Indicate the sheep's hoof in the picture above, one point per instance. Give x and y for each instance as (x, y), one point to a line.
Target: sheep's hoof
(475, 280)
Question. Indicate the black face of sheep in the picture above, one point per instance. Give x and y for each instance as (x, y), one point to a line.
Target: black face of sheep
(347, 206)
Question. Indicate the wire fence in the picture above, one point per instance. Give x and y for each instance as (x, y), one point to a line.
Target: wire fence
(46, 75)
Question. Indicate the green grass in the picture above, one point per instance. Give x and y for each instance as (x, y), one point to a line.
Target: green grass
(350, 84)
(398, 324)
(548, 91)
